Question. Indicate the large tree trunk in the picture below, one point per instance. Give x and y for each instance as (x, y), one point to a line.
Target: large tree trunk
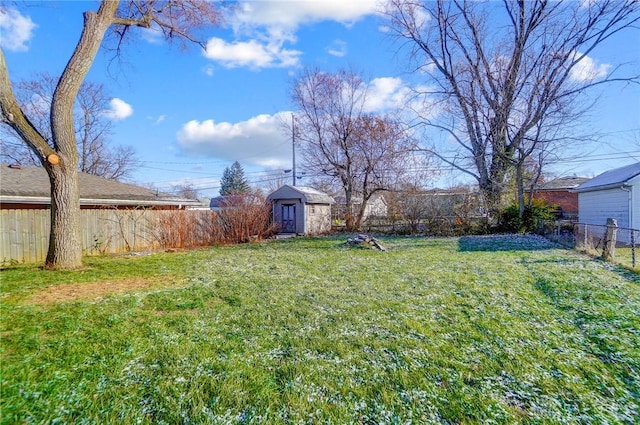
(65, 247)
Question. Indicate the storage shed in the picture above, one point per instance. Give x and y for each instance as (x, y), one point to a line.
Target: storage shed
(301, 210)
(612, 194)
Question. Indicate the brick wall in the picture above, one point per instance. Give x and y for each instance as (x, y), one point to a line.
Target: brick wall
(568, 201)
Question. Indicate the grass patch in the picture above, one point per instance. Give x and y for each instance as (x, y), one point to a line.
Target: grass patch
(308, 331)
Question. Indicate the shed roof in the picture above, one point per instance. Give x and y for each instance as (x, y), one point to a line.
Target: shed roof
(611, 179)
(562, 183)
(306, 194)
(31, 185)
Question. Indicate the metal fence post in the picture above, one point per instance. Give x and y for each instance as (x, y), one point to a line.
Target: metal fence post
(584, 244)
(633, 248)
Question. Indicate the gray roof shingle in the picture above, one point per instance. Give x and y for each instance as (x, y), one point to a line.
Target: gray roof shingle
(562, 183)
(33, 182)
(305, 193)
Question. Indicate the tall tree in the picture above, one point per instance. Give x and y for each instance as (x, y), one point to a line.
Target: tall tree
(176, 20)
(364, 153)
(93, 128)
(497, 70)
(186, 190)
(233, 181)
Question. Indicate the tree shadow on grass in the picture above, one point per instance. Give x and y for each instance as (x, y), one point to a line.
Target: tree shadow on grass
(510, 242)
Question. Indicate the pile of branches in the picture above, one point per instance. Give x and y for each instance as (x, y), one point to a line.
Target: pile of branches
(365, 241)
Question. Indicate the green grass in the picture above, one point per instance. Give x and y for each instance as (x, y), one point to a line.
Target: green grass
(471, 330)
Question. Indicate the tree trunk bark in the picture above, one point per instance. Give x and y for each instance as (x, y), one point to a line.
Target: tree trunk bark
(65, 246)
(493, 199)
(520, 185)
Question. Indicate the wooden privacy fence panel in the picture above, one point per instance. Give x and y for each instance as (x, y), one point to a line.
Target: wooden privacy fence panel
(24, 236)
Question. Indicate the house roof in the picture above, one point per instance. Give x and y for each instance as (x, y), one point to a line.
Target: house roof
(232, 200)
(562, 183)
(611, 179)
(31, 185)
(307, 194)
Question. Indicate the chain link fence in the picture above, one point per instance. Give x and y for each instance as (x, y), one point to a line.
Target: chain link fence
(591, 238)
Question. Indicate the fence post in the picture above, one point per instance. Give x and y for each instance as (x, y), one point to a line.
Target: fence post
(585, 236)
(633, 248)
(609, 249)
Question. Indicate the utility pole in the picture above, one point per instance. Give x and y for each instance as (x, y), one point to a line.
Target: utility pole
(293, 147)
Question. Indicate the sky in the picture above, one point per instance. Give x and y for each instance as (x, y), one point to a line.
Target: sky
(191, 113)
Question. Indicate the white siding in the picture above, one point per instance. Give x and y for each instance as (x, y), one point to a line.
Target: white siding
(318, 219)
(635, 203)
(596, 206)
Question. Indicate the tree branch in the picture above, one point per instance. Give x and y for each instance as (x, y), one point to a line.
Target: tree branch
(13, 116)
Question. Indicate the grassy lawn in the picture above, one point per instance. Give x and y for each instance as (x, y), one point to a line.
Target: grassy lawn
(470, 330)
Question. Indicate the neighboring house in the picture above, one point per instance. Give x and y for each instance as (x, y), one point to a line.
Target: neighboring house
(29, 188)
(560, 192)
(612, 194)
(376, 206)
(301, 210)
(233, 201)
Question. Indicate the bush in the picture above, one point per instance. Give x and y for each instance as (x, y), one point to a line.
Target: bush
(244, 218)
(241, 219)
(510, 220)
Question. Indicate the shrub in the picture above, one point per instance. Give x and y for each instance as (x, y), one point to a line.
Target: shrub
(244, 218)
(241, 219)
(188, 229)
(510, 220)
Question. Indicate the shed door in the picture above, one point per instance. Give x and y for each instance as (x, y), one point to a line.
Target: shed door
(288, 218)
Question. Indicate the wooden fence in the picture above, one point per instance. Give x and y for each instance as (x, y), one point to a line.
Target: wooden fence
(24, 234)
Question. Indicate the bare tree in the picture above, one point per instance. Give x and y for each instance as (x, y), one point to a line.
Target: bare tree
(93, 129)
(498, 69)
(364, 153)
(186, 190)
(176, 20)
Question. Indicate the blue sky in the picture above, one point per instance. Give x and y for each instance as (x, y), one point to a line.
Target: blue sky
(190, 114)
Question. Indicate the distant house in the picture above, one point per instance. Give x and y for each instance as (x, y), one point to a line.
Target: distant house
(29, 188)
(376, 206)
(612, 194)
(233, 201)
(560, 192)
(301, 210)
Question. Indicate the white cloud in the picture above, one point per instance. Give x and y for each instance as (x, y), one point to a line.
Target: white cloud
(585, 4)
(119, 109)
(152, 35)
(16, 30)
(291, 14)
(259, 140)
(209, 70)
(251, 53)
(265, 29)
(385, 94)
(262, 140)
(338, 48)
(588, 69)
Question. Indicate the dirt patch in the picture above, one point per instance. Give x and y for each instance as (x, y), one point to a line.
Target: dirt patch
(94, 291)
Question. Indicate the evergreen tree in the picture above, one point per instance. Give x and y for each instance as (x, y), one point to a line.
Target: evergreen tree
(233, 181)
